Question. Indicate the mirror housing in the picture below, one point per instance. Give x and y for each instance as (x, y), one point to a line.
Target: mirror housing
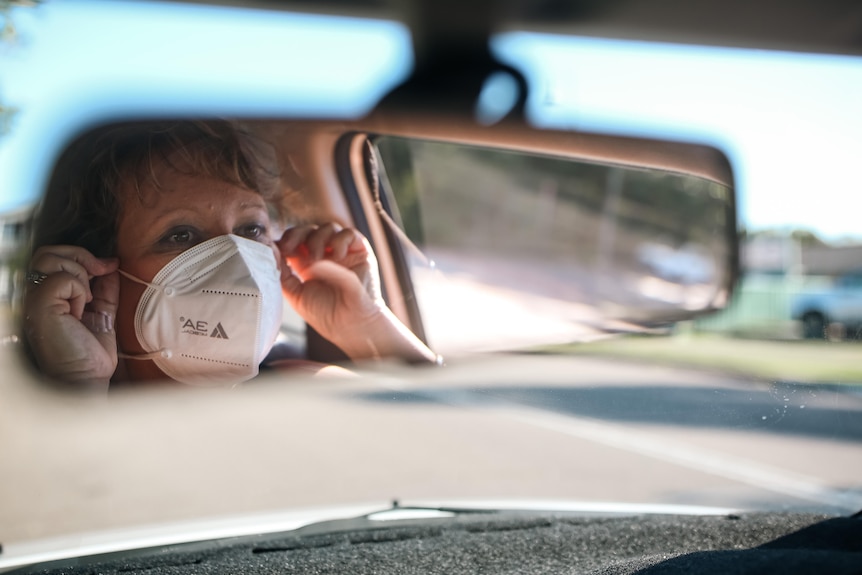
(651, 225)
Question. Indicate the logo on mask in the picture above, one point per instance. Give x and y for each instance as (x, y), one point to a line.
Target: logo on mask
(218, 332)
(192, 327)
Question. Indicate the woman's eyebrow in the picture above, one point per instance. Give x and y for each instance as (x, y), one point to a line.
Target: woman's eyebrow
(173, 214)
(253, 204)
(170, 219)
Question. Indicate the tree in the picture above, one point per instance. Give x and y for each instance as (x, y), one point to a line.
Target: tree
(9, 36)
(807, 238)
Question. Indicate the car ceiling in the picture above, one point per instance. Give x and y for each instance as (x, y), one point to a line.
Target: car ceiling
(824, 26)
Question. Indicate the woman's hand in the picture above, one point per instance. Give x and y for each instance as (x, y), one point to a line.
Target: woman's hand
(330, 278)
(69, 315)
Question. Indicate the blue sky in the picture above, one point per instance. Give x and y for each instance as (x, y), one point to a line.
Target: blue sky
(791, 124)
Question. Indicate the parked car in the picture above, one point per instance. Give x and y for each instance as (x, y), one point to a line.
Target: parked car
(836, 311)
(499, 235)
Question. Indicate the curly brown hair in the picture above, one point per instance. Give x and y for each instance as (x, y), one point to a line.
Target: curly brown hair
(82, 204)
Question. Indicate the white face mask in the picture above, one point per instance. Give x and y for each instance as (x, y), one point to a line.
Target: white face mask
(210, 316)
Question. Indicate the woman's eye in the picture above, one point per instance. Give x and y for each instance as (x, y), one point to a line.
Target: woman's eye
(179, 238)
(252, 231)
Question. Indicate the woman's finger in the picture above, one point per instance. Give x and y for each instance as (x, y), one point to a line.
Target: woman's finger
(293, 238)
(59, 294)
(84, 258)
(80, 263)
(102, 311)
(106, 294)
(51, 264)
(346, 241)
(318, 240)
(291, 283)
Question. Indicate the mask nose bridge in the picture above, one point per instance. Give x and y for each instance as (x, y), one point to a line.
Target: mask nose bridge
(193, 253)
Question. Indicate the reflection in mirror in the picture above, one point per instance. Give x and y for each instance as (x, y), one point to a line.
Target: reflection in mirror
(168, 251)
(536, 249)
(202, 252)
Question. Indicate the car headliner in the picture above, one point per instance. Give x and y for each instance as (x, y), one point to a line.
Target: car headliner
(822, 26)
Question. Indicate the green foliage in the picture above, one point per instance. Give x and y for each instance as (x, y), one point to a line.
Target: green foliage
(8, 32)
(7, 115)
(806, 238)
(804, 361)
(499, 201)
(9, 35)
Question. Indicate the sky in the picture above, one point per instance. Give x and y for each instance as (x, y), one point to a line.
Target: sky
(791, 124)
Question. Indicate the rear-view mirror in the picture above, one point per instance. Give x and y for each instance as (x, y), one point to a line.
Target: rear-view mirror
(477, 238)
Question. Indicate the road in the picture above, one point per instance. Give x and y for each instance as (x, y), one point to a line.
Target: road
(500, 428)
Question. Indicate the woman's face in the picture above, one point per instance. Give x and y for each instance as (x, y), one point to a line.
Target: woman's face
(159, 224)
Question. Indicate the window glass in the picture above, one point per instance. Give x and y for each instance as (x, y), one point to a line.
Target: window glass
(534, 249)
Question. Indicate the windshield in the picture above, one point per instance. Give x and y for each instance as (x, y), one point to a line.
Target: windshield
(757, 406)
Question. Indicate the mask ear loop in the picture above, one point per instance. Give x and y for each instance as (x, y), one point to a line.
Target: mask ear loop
(139, 280)
(165, 353)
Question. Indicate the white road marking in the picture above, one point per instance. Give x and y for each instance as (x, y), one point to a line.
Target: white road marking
(738, 469)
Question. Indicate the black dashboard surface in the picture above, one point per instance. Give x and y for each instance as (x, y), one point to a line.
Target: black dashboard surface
(650, 544)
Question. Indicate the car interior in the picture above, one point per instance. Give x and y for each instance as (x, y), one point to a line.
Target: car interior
(642, 261)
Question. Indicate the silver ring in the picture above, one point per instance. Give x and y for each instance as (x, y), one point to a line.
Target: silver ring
(36, 277)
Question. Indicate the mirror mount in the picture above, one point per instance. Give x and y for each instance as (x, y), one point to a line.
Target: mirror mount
(453, 62)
